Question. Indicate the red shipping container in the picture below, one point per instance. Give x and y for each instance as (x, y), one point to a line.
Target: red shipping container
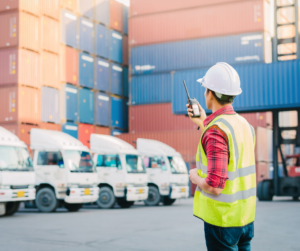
(50, 8)
(32, 6)
(256, 119)
(262, 171)
(261, 144)
(157, 117)
(50, 70)
(19, 66)
(50, 35)
(20, 104)
(209, 21)
(69, 70)
(102, 130)
(19, 29)
(84, 133)
(116, 15)
(125, 50)
(50, 126)
(70, 4)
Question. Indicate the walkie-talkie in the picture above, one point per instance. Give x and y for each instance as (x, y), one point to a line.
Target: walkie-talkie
(193, 103)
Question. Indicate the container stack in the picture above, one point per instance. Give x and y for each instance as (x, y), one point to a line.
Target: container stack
(64, 66)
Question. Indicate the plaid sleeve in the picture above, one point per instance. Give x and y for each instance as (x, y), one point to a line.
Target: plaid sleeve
(215, 145)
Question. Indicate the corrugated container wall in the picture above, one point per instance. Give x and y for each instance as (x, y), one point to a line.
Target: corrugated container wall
(102, 41)
(116, 47)
(50, 126)
(125, 19)
(84, 133)
(69, 66)
(118, 113)
(102, 109)
(18, 66)
(86, 8)
(257, 119)
(20, 104)
(199, 53)
(86, 70)
(86, 106)
(69, 28)
(86, 35)
(71, 129)
(102, 75)
(125, 82)
(50, 70)
(209, 21)
(50, 108)
(102, 130)
(50, 8)
(50, 34)
(116, 15)
(261, 144)
(19, 29)
(262, 171)
(70, 4)
(116, 77)
(102, 11)
(31, 6)
(126, 50)
(69, 103)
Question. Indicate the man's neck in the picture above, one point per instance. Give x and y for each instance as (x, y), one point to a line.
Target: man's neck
(217, 106)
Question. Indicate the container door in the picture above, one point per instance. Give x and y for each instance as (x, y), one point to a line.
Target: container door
(86, 35)
(125, 82)
(71, 103)
(102, 38)
(102, 75)
(116, 47)
(102, 11)
(86, 71)
(71, 129)
(117, 115)
(86, 106)
(102, 109)
(69, 28)
(116, 75)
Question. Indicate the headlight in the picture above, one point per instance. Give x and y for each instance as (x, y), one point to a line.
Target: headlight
(129, 185)
(5, 187)
(73, 185)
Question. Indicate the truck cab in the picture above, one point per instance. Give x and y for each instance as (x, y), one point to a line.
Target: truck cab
(17, 176)
(65, 172)
(167, 172)
(122, 177)
(293, 165)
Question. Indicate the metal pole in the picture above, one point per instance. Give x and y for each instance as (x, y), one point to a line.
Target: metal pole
(275, 39)
(297, 29)
(275, 151)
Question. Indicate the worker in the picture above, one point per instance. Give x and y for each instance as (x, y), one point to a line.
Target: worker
(225, 197)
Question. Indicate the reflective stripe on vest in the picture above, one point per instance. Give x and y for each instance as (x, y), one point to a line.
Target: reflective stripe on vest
(235, 206)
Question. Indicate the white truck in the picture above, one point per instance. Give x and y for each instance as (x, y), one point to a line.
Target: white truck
(121, 176)
(167, 172)
(65, 172)
(17, 177)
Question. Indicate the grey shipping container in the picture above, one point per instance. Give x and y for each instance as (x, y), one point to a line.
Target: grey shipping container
(50, 111)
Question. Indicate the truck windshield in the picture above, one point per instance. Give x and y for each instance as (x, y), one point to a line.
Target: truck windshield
(177, 165)
(134, 164)
(155, 162)
(79, 161)
(293, 161)
(15, 159)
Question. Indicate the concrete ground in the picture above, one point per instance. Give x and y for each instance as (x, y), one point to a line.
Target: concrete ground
(277, 227)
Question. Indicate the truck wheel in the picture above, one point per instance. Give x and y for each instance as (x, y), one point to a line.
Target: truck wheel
(46, 200)
(125, 204)
(168, 201)
(11, 208)
(73, 207)
(106, 198)
(264, 191)
(153, 197)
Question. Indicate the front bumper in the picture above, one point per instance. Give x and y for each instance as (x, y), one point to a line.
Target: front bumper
(78, 195)
(178, 192)
(137, 193)
(7, 195)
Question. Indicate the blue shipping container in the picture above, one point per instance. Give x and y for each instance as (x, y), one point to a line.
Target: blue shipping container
(86, 8)
(102, 41)
(125, 19)
(117, 112)
(125, 82)
(86, 70)
(86, 35)
(102, 109)
(69, 28)
(50, 107)
(102, 75)
(264, 86)
(86, 106)
(116, 75)
(69, 99)
(71, 129)
(151, 89)
(126, 114)
(198, 53)
(102, 11)
(115, 132)
(116, 47)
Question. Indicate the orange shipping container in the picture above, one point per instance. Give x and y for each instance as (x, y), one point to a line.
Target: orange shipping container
(50, 34)
(50, 70)
(19, 29)
(262, 171)
(102, 130)
(125, 50)
(50, 8)
(70, 5)
(19, 66)
(209, 21)
(50, 126)
(84, 133)
(261, 144)
(69, 65)
(20, 104)
(116, 15)
(32, 6)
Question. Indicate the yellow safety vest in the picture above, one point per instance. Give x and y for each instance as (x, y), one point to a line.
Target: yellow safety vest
(235, 205)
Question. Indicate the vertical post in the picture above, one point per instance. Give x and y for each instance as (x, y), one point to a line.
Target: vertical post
(297, 29)
(275, 151)
(275, 39)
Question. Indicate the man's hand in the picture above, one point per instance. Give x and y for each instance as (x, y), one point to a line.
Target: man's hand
(194, 177)
(197, 121)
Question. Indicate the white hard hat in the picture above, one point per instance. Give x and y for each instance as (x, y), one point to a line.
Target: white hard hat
(222, 79)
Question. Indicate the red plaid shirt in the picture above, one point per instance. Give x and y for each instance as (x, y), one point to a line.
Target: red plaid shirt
(215, 144)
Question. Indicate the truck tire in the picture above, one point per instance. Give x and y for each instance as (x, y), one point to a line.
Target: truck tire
(46, 200)
(264, 192)
(168, 201)
(125, 204)
(11, 208)
(153, 197)
(73, 207)
(106, 198)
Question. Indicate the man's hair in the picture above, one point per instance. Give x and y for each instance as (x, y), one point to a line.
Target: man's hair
(224, 100)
